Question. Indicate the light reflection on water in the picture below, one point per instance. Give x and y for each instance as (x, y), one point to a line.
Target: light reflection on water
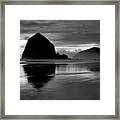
(70, 68)
(60, 81)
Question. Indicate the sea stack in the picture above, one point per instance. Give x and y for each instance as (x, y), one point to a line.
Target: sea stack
(39, 47)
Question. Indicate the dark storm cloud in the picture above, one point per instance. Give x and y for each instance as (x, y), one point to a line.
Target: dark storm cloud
(68, 31)
(31, 26)
(76, 38)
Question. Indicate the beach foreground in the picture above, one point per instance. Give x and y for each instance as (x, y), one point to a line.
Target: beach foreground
(60, 80)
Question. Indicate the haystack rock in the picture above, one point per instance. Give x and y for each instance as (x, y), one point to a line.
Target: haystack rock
(39, 47)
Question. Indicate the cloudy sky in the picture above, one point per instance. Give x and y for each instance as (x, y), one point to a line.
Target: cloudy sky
(66, 35)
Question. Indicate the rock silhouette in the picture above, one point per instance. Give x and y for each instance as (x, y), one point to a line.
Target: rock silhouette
(92, 53)
(39, 47)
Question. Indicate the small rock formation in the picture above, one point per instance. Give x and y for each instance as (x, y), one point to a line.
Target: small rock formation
(63, 56)
(39, 47)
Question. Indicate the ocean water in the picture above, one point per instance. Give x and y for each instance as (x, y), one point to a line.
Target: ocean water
(63, 81)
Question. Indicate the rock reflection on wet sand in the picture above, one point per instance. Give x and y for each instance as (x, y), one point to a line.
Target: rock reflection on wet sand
(78, 81)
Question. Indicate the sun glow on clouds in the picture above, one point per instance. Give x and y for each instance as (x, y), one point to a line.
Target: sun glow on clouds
(76, 48)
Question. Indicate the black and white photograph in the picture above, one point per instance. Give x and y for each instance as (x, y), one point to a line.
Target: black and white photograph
(59, 59)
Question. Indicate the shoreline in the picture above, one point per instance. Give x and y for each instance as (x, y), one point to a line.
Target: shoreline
(57, 61)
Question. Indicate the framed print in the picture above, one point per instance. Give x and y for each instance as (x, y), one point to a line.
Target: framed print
(60, 59)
